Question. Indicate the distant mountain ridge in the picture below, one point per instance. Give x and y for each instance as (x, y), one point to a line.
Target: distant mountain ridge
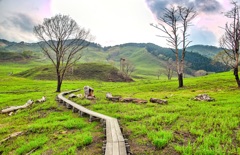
(205, 50)
(147, 57)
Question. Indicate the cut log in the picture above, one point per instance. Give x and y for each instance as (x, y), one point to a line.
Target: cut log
(134, 100)
(159, 101)
(43, 99)
(109, 95)
(15, 108)
(79, 95)
(127, 99)
(11, 136)
(72, 96)
(91, 98)
(139, 101)
(33, 150)
(203, 97)
(115, 99)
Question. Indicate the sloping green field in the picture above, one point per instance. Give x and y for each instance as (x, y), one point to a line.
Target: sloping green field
(183, 126)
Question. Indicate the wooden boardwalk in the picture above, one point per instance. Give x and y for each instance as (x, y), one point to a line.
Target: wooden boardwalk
(115, 143)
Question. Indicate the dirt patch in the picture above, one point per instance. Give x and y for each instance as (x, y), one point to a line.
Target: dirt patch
(169, 150)
(136, 148)
(182, 137)
(148, 148)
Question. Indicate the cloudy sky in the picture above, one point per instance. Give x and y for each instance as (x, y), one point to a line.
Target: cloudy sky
(112, 21)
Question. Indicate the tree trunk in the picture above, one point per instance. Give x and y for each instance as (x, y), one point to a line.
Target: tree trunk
(236, 76)
(59, 83)
(180, 79)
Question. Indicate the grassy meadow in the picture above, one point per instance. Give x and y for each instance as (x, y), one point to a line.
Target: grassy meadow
(183, 126)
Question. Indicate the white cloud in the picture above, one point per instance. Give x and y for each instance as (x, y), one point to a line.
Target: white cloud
(110, 21)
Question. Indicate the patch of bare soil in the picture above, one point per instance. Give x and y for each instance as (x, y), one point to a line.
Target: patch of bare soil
(141, 148)
(182, 138)
(148, 148)
(169, 150)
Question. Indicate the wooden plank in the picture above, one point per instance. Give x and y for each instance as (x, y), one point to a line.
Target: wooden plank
(109, 149)
(118, 130)
(81, 108)
(109, 131)
(115, 144)
(122, 148)
(115, 148)
(113, 130)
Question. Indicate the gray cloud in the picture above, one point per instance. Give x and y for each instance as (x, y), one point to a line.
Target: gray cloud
(17, 27)
(203, 36)
(208, 6)
(22, 21)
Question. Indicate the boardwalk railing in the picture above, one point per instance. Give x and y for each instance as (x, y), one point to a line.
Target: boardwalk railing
(115, 143)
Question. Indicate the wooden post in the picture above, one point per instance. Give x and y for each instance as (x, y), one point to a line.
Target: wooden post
(74, 110)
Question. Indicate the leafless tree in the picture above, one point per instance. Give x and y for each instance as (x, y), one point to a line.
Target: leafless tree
(62, 40)
(159, 72)
(126, 67)
(230, 40)
(174, 23)
(223, 57)
(169, 68)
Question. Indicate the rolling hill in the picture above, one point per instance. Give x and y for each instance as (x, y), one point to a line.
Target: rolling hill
(85, 71)
(208, 51)
(147, 58)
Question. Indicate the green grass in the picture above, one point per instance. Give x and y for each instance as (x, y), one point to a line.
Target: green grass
(182, 126)
(160, 138)
(47, 127)
(13, 68)
(84, 71)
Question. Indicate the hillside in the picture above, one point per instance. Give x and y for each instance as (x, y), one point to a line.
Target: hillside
(147, 58)
(179, 127)
(86, 71)
(4, 43)
(208, 51)
(194, 61)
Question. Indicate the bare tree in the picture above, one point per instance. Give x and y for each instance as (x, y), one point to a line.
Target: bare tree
(126, 67)
(174, 24)
(230, 40)
(223, 58)
(62, 40)
(169, 68)
(129, 68)
(159, 72)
